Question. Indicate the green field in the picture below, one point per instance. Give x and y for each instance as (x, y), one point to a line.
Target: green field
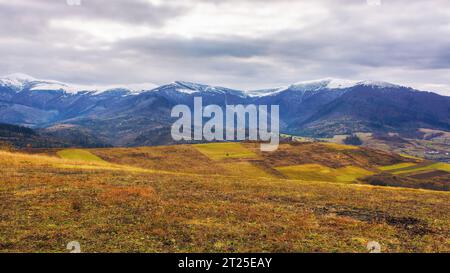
(351, 173)
(79, 155)
(316, 172)
(340, 147)
(219, 151)
(434, 167)
(396, 166)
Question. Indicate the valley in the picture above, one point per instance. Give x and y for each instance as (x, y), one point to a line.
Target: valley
(131, 116)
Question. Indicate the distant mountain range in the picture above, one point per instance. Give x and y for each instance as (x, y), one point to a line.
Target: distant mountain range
(133, 115)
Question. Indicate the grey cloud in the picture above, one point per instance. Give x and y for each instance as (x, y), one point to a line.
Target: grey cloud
(401, 41)
(197, 47)
(23, 16)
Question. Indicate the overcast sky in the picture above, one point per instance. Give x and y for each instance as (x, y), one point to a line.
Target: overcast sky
(246, 44)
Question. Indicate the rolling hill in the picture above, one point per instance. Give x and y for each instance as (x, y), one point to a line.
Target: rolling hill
(220, 197)
(23, 137)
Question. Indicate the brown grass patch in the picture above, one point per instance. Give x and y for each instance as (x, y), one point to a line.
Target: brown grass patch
(127, 193)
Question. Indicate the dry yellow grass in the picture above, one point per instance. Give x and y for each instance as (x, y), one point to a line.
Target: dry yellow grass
(243, 169)
(163, 158)
(412, 157)
(25, 160)
(46, 202)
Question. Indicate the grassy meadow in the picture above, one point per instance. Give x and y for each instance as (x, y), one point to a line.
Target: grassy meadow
(221, 197)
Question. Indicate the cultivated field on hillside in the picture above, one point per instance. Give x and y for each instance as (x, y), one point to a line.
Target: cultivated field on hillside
(230, 197)
(427, 143)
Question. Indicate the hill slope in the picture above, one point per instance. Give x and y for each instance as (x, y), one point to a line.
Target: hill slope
(125, 198)
(23, 137)
(365, 109)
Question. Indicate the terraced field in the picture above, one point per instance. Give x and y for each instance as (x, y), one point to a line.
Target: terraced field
(397, 166)
(315, 172)
(340, 147)
(225, 197)
(424, 167)
(327, 162)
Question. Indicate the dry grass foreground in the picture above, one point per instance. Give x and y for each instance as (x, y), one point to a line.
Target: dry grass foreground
(135, 200)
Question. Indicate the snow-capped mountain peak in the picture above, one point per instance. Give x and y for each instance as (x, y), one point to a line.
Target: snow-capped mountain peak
(189, 88)
(20, 77)
(16, 81)
(304, 86)
(321, 84)
(20, 82)
(333, 83)
(379, 84)
(328, 83)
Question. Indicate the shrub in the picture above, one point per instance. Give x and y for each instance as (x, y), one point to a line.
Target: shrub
(353, 140)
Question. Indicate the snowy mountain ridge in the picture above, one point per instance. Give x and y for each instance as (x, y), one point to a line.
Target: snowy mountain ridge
(20, 82)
